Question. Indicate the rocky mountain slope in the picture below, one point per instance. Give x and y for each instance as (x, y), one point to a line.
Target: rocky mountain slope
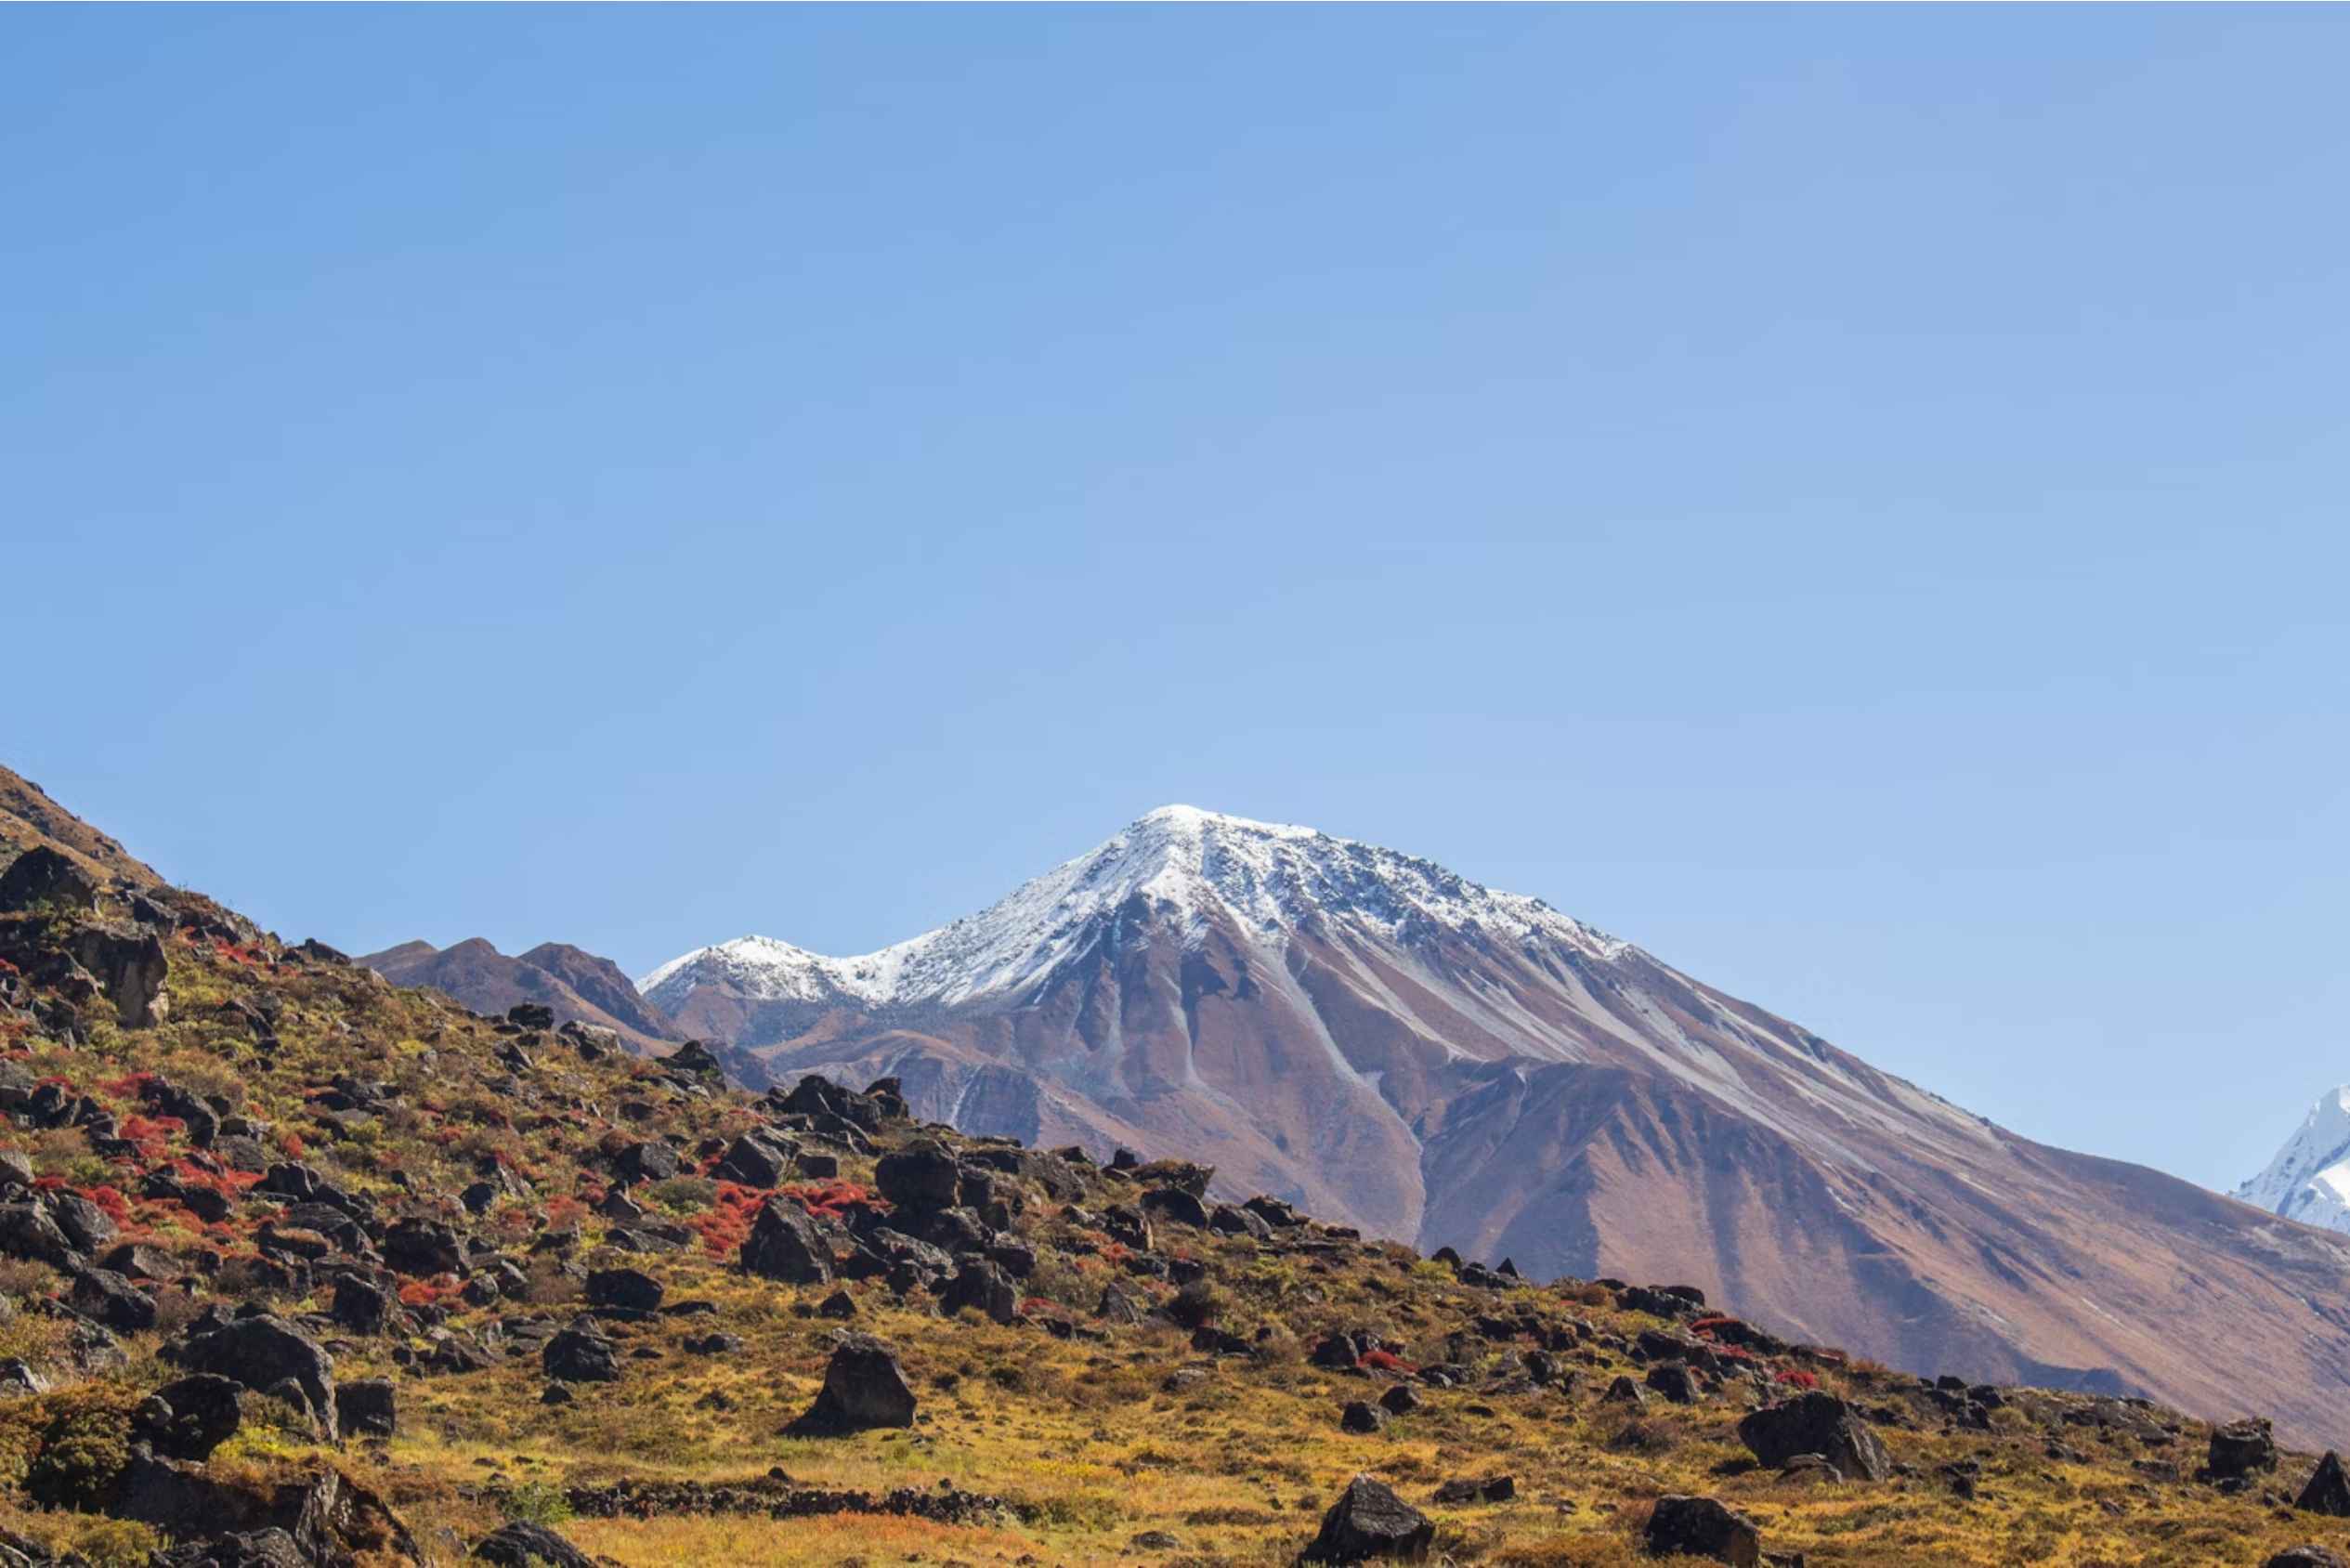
(301, 1268)
(28, 818)
(1382, 1040)
(578, 987)
(2309, 1180)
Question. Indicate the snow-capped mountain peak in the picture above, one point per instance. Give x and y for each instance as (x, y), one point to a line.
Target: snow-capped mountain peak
(1188, 865)
(2309, 1180)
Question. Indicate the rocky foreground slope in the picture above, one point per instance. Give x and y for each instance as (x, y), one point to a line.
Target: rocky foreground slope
(300, 1267)
(1389, 1044)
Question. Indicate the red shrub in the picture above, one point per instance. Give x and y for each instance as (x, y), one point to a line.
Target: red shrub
(430, 1292)
(1795, 1378)
(130, 1086)
(828, 1200)
(1386, 1361)
(1707, 1325)
(228, 1184)
(117, 1206)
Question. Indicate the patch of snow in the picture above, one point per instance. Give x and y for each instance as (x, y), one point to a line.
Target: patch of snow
(2309, 1180)
(1186, 865)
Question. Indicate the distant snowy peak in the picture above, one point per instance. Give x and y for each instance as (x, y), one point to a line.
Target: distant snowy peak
(1186, 865)
(2309, 1180)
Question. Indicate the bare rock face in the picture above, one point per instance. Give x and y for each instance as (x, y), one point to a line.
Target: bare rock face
(2328, 1490)
(1369, 1520)
(130, 965)
(1703, 1527)
(265, 1353)
(2241, 1449)
(42, 878)
(784, 1245)
(1816, 1423)
(864, 1388)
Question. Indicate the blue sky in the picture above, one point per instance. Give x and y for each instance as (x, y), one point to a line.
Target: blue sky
(1851, 500)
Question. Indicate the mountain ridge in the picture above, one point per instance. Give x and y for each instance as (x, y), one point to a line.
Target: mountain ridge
(577, 986)
(1376, 1038)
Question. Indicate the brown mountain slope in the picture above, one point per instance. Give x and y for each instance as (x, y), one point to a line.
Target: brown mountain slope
(578, 986)
(28, 818)
(1379, 1041)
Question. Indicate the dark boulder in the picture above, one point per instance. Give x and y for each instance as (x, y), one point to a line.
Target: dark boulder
(758, 1158)
(863, 1387)
(368, 1407)
(2306, 1557)
(629, 1289)
(27, 1231)
(423, 1247)
(920, 1177)
(984, 1287)
(265, 1353)
(1816, 1423)
(1400, 1399)
(531, 1015)
(1360, 1415)
(1623, 1391)
(87, 1225)
(2241, 1449)
(1703, 1527)
(113, 1300)
(1487, 1489)
(189, 1419)
(784, 1245)
(364, 1306)
(1369, 1520)
(1174, 1203)
(1674, 1380)
(42, 878)
(521, 1544)
(579, 1355)
(2328, 1491)
(647, 1162)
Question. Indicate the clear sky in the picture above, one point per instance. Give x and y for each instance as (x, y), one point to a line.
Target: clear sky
(1851, 500)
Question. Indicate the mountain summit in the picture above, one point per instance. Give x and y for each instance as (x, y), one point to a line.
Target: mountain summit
(1190, 867)
(1379, 1040)
(2309, 1180)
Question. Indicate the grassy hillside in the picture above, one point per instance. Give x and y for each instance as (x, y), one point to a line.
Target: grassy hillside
(433, 1198)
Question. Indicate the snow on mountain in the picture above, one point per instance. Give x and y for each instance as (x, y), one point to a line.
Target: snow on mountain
(1271, 879)
(2309, 1180)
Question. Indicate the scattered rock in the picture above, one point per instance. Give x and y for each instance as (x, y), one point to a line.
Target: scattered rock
(579, 1355)
(784, 1245)
(1703, 1527)
(521, 1544)
(265, 1353)
(1491, 1489)
(1369, 1520)
(368, 1407)
(42, 878)
(1361, 1417)
(1818, 1423)
(630, 1289)
(863, 1387)
(189, 1419)
(2241, 1449)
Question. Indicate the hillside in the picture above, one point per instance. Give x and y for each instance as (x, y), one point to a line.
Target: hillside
(577, 986)
(1385, 1042)
(28, 818)
(307, 1268)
